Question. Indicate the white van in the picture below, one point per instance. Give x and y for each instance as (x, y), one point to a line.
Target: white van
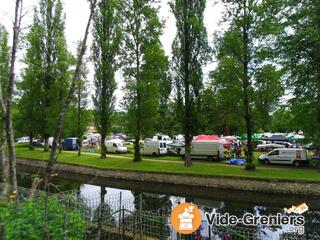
(115, 146)
(206, 150)
(154, 148)
(292, 156)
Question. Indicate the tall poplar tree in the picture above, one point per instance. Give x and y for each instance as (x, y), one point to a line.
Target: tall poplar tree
(105, 49)
(30, 87)
(142, 51)
(190, 53)
(55, 63)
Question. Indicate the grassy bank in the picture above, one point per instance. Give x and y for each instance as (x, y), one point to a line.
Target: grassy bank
(216, 169)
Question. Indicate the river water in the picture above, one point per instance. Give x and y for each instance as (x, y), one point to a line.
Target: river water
(152, 197)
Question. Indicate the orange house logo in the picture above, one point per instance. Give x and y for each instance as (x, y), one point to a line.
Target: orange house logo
(186, 218)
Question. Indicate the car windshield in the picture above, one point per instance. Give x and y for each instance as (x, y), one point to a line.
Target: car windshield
(119, 145)
(274, 153)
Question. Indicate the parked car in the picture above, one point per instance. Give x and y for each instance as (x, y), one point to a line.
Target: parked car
(115, 146)
(154, 148)
(37, 143)
(22, 140)
(293, 156)
(206, 150)
(286, 144)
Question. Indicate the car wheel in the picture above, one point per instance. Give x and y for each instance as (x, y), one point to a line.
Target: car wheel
(210, 158)
(296, 163)
(266, 161)
(154, 154)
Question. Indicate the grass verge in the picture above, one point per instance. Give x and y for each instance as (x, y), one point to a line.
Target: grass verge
(201, 168)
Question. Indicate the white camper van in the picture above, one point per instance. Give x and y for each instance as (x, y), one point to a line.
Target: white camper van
(206, 150)
(115, 146)
(292, 156)
(154, 148)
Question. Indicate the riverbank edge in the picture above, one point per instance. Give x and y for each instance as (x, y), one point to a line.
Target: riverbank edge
(296, 187)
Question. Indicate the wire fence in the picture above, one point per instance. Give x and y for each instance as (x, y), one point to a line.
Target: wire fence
(97, 215)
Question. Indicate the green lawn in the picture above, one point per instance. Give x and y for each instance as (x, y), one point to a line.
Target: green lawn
(217, 169)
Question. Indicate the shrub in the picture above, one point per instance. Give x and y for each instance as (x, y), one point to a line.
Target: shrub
(26, 220)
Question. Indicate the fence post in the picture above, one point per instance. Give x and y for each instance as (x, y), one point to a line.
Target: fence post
(140, 216)
(140, 202)
(161, 224)
(65, 233)
(3, 232)
(123, 224)
(120, 207)
(134, 226)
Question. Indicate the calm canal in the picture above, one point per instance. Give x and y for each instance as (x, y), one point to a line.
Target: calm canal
(152, 197)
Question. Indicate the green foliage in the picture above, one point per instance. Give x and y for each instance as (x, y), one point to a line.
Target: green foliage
(46, 78)
(4, 61)
(283, 120)
(78, 116)
(4, 58)
(119, 122)
(299, 48)
(268, 90)
(26, 220)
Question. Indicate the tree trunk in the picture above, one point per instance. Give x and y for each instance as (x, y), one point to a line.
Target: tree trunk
(10, 90)
(187, 83)
(318, 125)
(245, 86)
(79, 119)
(80, 146)
(31, 141)
(4, 161)
(137, 155)
(187, 157)
(103, 147)
(46, 143)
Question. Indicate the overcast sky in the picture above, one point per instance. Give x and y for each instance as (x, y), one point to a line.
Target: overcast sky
(77, 12)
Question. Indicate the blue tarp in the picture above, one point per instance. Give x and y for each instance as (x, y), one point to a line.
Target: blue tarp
(236, 161)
